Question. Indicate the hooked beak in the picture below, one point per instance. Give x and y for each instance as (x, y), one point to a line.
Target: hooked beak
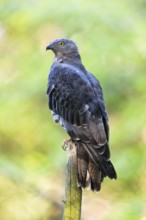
(49, 47)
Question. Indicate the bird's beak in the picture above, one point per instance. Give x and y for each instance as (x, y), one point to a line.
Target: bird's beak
(49, 47)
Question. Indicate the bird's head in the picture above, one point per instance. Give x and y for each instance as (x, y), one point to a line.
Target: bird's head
(63, 47)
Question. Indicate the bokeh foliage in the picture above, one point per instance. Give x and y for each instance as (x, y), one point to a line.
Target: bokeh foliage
(111, 36)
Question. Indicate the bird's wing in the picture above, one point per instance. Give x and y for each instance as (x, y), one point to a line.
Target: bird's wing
(69, 92)
(71, 96)
(99, 94)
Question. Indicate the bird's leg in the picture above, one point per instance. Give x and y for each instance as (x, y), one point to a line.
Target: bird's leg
(66, 143)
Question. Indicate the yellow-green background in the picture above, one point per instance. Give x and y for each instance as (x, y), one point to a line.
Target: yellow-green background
(111, 36)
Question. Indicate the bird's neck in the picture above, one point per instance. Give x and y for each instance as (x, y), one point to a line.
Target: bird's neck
(72, 59)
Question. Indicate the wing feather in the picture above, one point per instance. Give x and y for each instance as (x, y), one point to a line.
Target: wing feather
(80, 106)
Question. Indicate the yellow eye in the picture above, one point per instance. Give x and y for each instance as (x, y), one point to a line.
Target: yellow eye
(61, 43)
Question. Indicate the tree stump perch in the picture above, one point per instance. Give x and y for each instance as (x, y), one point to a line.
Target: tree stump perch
(73, 193)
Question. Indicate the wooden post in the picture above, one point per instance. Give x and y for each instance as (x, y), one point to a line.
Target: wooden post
(73, 193)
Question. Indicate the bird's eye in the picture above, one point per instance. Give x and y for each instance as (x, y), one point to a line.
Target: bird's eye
(61, 43)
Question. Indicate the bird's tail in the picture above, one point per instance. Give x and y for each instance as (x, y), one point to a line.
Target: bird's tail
(93, 165)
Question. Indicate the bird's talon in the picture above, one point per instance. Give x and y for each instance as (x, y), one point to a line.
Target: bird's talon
(65, 144)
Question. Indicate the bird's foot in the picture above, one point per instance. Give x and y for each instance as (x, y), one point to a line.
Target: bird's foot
(66, 143)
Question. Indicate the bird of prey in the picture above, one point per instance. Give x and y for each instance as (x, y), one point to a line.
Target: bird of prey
(76, 100)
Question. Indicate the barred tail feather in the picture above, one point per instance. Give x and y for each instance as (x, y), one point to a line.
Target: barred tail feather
(93, 166)
(101, 160)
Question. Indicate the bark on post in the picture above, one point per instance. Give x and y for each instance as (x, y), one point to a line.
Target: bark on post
(73, 193)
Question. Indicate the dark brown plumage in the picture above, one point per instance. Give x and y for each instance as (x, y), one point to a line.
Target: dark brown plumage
(76, 100)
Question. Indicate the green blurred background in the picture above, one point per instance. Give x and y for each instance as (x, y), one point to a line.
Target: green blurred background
(111, 36)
